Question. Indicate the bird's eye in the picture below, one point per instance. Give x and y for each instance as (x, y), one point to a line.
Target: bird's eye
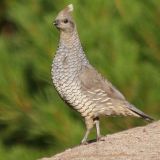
(65, 21)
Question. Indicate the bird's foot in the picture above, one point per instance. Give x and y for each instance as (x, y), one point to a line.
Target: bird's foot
(84, 142)
(100, 138)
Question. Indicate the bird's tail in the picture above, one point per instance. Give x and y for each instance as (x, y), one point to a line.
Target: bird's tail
(140, 113)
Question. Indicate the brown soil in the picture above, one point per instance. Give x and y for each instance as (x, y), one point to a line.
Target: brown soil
(140, 143)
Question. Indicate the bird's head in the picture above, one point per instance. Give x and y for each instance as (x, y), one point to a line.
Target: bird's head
(64, 21)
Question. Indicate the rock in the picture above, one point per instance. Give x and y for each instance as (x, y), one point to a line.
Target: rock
(133, 144)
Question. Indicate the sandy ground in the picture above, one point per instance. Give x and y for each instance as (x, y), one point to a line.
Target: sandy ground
(140, 143)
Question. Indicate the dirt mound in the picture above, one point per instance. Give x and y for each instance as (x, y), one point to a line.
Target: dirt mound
(133, 144)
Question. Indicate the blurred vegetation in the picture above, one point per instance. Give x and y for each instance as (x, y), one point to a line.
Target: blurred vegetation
(121, 39)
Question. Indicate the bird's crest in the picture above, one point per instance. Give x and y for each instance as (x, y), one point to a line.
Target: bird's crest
(67, 10)
(70, 8)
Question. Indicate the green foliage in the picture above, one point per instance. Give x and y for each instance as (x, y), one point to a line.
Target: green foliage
(121, 39)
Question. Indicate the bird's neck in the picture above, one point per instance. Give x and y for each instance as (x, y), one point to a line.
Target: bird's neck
(70, 39)
(70, 45)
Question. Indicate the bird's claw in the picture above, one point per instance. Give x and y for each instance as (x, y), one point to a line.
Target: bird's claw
(100, 138)
(84, 143)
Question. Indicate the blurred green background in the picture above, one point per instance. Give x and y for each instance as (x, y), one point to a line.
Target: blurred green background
(121, 39)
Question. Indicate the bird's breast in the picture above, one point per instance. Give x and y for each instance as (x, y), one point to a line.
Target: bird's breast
(65, 76)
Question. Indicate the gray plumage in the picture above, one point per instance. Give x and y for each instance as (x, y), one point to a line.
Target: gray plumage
(79, 84)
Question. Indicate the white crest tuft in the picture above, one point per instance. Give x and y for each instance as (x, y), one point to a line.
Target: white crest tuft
(70, 7)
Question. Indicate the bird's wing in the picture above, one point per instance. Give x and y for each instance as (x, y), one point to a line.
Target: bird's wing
(94, 82)
(102, 91)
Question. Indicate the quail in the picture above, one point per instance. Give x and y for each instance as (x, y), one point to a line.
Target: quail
(78, 82)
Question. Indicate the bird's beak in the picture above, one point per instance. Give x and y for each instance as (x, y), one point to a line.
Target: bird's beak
(56, 23)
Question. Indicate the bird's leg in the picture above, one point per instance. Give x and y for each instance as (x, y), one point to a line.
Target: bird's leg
(97, 129)
(84, 140)
(99, 136)
(89, 125)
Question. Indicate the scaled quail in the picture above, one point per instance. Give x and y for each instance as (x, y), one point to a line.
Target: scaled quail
(78, 82)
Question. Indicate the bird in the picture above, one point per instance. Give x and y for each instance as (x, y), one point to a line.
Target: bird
(80, 85)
